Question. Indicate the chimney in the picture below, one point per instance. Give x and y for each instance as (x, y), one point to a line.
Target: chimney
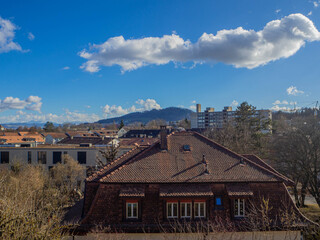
(163, 138)
(205, 163)
(198, 108)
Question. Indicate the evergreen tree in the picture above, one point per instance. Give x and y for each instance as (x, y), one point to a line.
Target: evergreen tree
(121, 124)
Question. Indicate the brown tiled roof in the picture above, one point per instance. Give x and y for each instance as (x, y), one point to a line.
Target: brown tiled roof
(265, 165)
(11, 138)
(131, 191)
(192, 190)
(81, 134)
(55, 134)
(239, 190)
(151, 164)
(92, 140)
(139, 141)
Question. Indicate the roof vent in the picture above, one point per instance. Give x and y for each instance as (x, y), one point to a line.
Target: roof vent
(186, 148)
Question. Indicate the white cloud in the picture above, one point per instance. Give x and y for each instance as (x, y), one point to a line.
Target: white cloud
(309, 13)
(238, 47)
(7, 34)
(31, 103)
(68, 116)
(66, 68)
(194, 101)
(192, 107)
(143, 105)
(234, 103)
(294, 91)
(316, 4)
(278, 102)
(148, 104)
(31, 36)
(278, 10)
(283, 109)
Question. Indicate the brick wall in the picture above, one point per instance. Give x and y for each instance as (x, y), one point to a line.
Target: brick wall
(108, 208)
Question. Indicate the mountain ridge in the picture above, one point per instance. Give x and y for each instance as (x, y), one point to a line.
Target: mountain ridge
(167, 114)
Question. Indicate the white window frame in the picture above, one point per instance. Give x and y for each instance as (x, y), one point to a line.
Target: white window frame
(172, 211)
(184, 215)
(238, 202)
(204, 209)
(132, 211)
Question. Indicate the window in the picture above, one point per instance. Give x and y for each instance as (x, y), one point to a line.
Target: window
(172, 209)
(186, 209)
(56, 157)
(29, 157)
(132, 209)
(199, 209)
(82, 157)
(239, 208)
(218, 202)
(42, 157)
(4, 157)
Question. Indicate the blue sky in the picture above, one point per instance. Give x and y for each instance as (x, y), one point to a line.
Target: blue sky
(66, 61)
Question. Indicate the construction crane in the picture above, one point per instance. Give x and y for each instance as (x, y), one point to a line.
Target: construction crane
(315, 110)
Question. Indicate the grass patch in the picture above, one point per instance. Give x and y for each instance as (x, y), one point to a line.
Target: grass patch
(312, 211)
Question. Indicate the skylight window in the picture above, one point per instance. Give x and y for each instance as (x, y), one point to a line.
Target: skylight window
(186, 148)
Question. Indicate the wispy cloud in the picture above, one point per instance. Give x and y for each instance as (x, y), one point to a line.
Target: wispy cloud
(31, 37)
(316, 4)
(141, 105)
(284, 102)
(238, 47)
(292, 90)
(7, 34)
(278, 10)
(234, 103)
(31, 103)
(66, 68)
(192, 107)
(309, 13)
(277, 108)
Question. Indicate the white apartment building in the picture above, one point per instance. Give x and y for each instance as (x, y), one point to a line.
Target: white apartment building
(49, 155)
(211, 119)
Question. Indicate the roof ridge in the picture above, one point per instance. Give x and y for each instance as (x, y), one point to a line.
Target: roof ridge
(273, 169)
(238, 155)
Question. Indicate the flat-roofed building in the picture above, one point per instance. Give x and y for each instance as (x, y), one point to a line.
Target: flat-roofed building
(217, 119)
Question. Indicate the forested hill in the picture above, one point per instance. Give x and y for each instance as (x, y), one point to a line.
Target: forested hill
(167, 114)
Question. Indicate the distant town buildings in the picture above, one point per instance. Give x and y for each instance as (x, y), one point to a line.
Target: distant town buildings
(23, 139)
(214, 119)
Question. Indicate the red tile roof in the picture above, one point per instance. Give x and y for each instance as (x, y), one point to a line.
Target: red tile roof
(192, 190)
(239, 190)
(151, 164)
(131, 191)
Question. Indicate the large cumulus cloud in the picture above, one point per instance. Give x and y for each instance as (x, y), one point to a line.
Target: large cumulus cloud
(238, 47)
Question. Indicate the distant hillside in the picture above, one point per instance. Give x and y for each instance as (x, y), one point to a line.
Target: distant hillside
(167, 114)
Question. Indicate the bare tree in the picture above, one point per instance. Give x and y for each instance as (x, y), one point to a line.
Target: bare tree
(108, 154)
